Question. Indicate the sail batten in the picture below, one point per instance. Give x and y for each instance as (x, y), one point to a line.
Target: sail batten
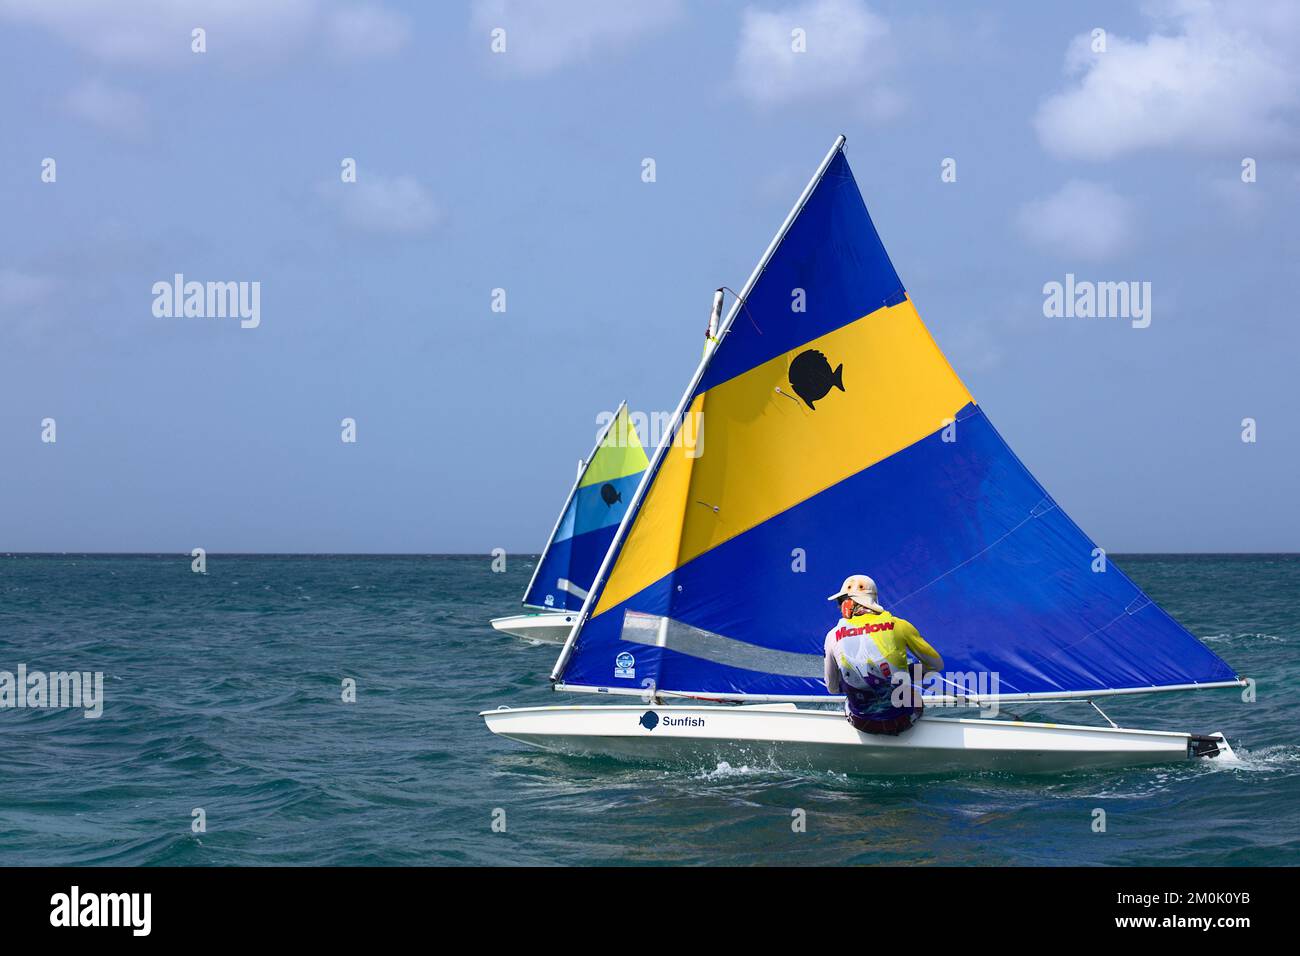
(837, 439)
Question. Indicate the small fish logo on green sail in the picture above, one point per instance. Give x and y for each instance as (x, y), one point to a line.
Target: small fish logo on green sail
(811, 377)
(609, 494)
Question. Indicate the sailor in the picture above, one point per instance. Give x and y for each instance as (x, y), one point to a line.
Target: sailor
(866, 657)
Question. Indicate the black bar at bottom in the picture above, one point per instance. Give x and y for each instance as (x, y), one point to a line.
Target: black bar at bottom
(967, 907)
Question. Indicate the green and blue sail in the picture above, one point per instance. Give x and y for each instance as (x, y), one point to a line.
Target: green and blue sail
(586, 527)
(840, 441)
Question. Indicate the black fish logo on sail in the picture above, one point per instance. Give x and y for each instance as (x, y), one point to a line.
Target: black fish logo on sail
(811, 377)
(609, 494)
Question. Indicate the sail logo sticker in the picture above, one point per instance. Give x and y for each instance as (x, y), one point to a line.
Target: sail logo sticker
(625, 665)
(683, 721)
(650, 720)
(811, 377)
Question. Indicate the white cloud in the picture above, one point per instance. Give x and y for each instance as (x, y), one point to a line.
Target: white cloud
(397, 205)
(1212, 75)
(157, 33)
(362, 32)
(543, 37)
(115, 110)
(1083, 219)
(23, 290)
(848, 51)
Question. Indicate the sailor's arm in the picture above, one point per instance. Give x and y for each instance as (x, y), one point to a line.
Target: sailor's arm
(927, 655)
(832, 671)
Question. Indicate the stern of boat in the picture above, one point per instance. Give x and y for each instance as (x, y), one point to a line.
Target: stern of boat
(1212, 747)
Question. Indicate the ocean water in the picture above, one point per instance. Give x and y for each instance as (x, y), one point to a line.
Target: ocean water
(223, 694)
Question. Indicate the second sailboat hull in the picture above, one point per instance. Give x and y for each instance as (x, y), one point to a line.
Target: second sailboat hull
(546, 627)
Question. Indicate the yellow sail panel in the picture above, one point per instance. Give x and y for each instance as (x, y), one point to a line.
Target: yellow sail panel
(784, 431)
(619, 455)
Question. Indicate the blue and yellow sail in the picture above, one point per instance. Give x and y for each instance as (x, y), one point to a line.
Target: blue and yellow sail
(838, 440)
(586, 526)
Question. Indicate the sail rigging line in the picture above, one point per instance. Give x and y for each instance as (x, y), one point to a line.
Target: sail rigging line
(647, 478)
(1097, 630)
(960, 564)
(792, 398)
(1139, 603)
(745, 306)
(1103, 714)
(964, 695)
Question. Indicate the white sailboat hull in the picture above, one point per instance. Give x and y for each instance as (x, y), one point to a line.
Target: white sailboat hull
(546, 627)
(793, 739)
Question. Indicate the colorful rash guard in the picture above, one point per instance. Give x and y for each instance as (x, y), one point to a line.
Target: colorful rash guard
(862, 655)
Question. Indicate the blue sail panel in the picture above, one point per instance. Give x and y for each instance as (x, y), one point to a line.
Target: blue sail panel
(962, 542)
(831, 269)
(568, 569)
(569, 566)
(837, 440)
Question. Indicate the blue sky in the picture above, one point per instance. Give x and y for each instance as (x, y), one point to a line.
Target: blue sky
(522, 170)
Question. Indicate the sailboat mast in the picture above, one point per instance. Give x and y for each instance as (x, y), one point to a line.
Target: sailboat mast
(583, 465)
(667, 438)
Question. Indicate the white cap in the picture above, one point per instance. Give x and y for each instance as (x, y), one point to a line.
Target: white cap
(861, 589)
